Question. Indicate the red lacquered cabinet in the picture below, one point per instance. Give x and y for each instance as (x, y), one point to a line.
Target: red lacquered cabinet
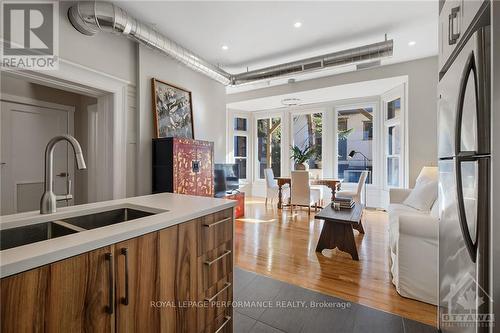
(183, 166)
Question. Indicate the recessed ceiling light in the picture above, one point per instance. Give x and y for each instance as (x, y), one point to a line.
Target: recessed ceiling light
(225, 47)
(297, 24)
(412, 43)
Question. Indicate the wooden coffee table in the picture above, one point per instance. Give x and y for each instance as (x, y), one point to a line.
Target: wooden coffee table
(338, 227)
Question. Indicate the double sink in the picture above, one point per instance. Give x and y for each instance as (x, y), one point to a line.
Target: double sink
(18, 236)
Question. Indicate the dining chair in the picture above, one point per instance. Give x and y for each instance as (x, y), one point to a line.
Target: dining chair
(356, 194)
(301, 193)
(272, 188)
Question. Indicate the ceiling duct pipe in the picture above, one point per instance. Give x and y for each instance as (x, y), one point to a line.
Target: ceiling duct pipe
(355, 55)
(90, 17)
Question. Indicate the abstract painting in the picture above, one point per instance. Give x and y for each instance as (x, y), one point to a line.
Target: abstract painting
(173, 111)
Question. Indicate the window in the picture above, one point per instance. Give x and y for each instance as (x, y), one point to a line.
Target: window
(367, 130)
(240, 124)
(269, 145)
(393, 143)
(240, 135)
(394, 109)
(307, 132)
(240, 155)
(355, 144)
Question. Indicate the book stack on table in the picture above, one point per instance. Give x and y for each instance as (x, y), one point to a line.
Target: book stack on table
(345, 203)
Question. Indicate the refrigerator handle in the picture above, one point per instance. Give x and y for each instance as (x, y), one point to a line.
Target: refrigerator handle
(470, 244)
(470, 67)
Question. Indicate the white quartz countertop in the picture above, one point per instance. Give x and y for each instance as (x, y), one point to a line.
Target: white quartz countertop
(170, 209)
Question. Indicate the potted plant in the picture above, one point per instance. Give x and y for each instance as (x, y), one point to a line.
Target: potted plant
(301, 156)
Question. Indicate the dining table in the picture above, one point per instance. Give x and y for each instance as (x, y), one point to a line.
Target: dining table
(332, 183)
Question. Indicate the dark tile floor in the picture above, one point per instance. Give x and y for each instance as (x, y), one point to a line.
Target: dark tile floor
(263, 304)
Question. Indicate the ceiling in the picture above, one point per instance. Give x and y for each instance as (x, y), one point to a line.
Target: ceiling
(335, 93)
(260, 33)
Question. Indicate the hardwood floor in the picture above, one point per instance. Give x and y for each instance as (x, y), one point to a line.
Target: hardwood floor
(282, 245)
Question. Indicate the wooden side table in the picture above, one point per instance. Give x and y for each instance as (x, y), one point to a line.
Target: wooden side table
(338, 228)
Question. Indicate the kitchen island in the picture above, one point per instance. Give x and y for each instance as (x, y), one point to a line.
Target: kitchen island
(156, 263)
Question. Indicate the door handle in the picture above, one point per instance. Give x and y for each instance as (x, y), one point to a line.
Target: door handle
(62, 174)
(470, 69)
(211, 299)
(208, 225)
(462, 217)
(110, 308)
(226, 320)
(211, 262)
(452, 36)
(124, 300)
(482, 201)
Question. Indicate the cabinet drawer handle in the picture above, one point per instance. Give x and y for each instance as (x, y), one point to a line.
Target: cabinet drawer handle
(211, 299)
(226, 320)
(218, 222)
(209, 263)
(110, 308)
(124, 252)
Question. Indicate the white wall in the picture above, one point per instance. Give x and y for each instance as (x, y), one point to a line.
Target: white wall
(422, 102)
(209, 108)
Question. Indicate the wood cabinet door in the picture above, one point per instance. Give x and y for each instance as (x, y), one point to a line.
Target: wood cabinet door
(136, 284)
(23, 301)
(184, 176)
(205, 176)
(145, 283)
(71, 295)
(167, 252)
(79, 293)
(186, 279)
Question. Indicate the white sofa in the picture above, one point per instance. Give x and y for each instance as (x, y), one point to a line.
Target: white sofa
(413, 241)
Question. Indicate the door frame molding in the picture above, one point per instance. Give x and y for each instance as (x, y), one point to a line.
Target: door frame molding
(35, 102)
(111, 94)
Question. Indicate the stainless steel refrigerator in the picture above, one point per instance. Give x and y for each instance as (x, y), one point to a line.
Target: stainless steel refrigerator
(464, 150)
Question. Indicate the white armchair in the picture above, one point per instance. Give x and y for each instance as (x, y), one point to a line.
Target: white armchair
(413, 242)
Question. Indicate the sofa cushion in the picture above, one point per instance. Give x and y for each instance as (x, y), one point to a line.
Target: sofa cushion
(423, 195)
(428, 174)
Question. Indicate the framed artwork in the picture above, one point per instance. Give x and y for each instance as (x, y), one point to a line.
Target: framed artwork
(172, 111)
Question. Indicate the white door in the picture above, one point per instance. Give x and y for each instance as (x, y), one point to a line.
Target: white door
(25, 131)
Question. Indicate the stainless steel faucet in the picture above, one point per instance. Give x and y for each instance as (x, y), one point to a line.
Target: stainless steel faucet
(49, 199)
